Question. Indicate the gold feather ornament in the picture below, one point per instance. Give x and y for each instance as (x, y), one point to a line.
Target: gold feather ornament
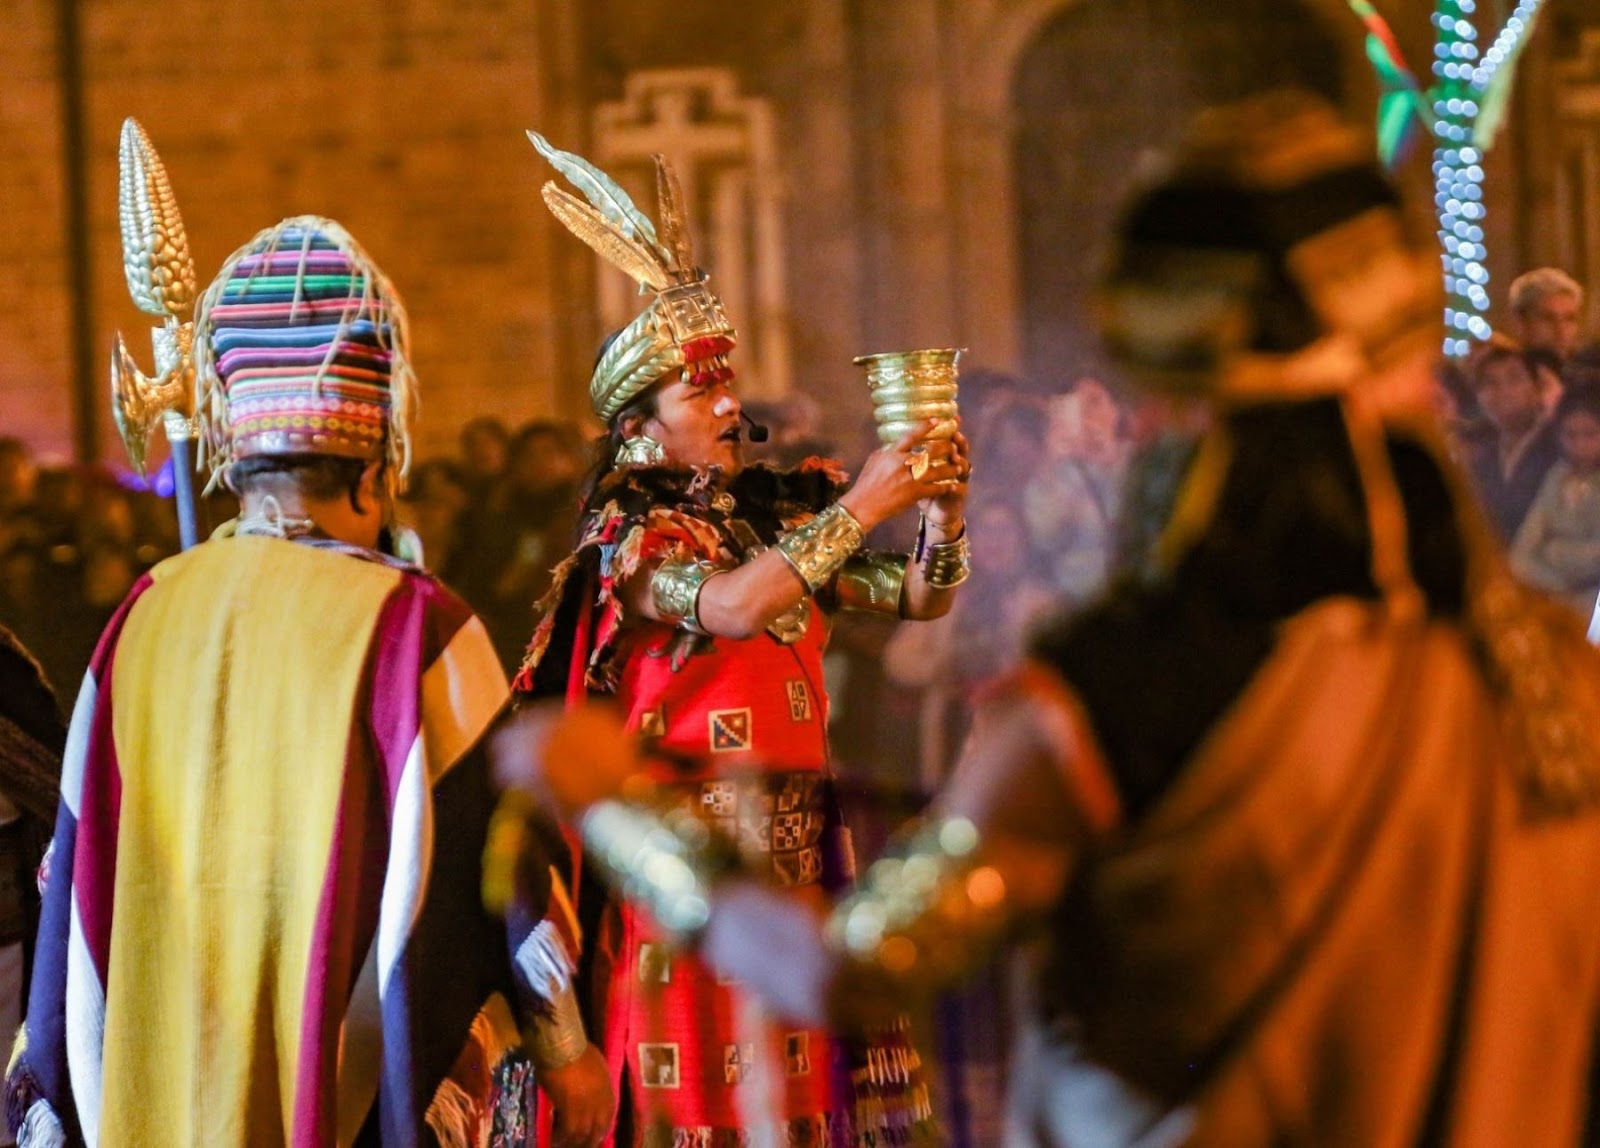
(614, 204)
(612, 244)
(684, 322)
(674, 221)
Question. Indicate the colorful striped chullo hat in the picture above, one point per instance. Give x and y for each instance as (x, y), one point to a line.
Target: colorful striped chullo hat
(301, 348)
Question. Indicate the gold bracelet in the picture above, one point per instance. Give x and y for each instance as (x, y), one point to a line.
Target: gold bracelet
(948, 564)
(926, 911)
(872, 583)
(817, 549)
(675, 591)
(557, 1039)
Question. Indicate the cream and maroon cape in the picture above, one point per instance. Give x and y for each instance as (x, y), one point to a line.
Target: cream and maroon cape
(262, 915)
(1341, 925)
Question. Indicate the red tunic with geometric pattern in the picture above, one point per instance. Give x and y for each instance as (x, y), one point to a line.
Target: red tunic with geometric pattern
(740, 730)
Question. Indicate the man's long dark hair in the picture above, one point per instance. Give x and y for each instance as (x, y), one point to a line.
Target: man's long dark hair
(605, 457)
(607, 446)
(317, 476)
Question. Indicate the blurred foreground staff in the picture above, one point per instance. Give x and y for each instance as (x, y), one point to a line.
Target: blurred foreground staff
(1307, 823)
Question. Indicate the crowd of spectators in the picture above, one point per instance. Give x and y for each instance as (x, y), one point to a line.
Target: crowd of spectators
(1523, 416)
(495, 519)
(1052, 513)
(1072, 483)
(73, 539)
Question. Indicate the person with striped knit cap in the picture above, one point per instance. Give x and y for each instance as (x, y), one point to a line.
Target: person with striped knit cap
(306, 342)
(263, 922)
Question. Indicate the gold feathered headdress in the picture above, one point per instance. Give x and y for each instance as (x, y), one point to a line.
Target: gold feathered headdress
(684, 324)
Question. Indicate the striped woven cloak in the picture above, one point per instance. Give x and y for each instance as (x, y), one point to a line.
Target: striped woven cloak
(262, 919)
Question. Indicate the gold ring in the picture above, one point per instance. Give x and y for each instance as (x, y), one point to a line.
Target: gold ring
(918, 462)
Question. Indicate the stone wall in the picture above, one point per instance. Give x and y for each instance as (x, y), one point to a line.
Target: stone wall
(402, 120)
(35, 398)
(896, 122)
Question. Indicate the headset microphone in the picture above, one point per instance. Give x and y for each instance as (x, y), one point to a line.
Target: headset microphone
(758, 432)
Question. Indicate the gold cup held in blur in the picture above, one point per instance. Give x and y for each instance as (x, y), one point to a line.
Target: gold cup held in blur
(910, 387)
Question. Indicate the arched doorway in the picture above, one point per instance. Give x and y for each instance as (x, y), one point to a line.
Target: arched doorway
(1103, 86)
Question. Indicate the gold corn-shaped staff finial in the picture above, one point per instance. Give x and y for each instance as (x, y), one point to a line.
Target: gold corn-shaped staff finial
(161, 280)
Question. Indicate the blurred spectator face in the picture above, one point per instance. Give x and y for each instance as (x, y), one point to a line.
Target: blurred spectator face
(108, 574)
(19, 577)
(59, 495)
(1509, 395)
(1016, 438)
(107, 516)
(1580, 440)
(1085, 423)
(1101, 417)
(1550, 323)
(800, 419)
(544, 459)
(438, 485)
(1000, 540)
(435, 499)
(155, 525)
(18, 475)
(484, 444)
(1445, 408)
(1151, 416)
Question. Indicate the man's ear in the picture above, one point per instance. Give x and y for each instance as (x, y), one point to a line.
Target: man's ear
(369, 491)
(633, 425)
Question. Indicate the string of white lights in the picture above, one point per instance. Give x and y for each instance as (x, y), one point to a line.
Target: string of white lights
(1458, 177)
(1505, 44)
(1463, 76)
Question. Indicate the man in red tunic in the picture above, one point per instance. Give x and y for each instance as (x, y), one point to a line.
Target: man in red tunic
(698, 597)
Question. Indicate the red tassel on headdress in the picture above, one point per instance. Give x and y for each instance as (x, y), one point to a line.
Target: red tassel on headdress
(706, 378)
(707, 347)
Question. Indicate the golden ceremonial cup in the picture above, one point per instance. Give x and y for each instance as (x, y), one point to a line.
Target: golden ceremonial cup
(911, 387)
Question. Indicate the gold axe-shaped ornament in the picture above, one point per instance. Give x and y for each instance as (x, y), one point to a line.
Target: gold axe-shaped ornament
(161, 280)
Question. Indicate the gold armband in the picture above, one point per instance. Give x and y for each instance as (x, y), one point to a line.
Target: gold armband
(945, 565)
(818, 548)
(675, 591)
(872, 582)
(926, 915)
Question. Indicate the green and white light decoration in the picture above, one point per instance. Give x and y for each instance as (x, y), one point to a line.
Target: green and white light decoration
(1463, 110)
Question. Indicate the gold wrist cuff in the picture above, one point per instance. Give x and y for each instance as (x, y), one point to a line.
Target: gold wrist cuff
(817, 549)
(926, 911)
(948, 564)
(872, 583)
(675, 591)
(557, 1039)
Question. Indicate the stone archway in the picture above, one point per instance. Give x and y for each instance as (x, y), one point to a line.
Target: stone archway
(1101, 89)
(990, 41)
